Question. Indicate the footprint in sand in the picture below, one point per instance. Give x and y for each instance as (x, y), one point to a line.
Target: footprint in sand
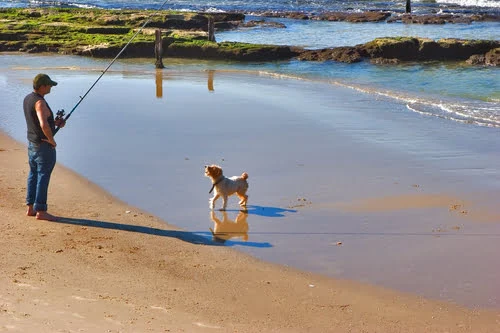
(83, 299)
(159, 308)
(206, 325)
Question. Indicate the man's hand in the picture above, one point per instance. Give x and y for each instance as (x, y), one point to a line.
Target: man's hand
(52, 142)
(60, 122)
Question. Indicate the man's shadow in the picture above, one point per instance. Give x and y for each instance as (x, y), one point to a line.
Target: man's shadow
(186, 236)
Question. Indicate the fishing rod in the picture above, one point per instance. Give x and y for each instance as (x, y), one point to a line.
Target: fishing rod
(60, 113)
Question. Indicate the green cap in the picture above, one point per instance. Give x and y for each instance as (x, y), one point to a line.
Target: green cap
(43, 80)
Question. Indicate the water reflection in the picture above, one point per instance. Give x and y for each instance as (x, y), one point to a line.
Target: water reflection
(159, 82)
(227, 229)
(210, 82)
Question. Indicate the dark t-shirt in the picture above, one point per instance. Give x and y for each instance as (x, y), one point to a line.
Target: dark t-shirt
(35, 133)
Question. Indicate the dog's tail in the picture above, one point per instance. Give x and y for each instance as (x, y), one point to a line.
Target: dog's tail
(244, 175)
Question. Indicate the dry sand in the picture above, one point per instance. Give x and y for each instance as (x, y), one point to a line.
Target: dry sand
(108, 267)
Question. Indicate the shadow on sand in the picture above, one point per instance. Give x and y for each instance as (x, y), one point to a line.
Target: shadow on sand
(186, 236)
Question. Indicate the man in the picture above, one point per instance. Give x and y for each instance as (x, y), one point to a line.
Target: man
(41, 146)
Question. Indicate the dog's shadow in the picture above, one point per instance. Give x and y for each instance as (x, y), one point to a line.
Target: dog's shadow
(267, 211)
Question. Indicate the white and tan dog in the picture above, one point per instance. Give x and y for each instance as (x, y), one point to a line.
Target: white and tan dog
(224, 187)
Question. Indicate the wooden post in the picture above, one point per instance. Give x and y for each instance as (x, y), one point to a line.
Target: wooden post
(211, 34)
(408, 6)
(158, 49)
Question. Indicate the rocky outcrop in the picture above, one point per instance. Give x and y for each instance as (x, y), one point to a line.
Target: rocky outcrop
(397, 49)
(441, 18)
(198, 21)
(357, 17)
(341, 54)
(385, 16)
(492, 58)
(104, 33)
(354, 17)
(264, 53)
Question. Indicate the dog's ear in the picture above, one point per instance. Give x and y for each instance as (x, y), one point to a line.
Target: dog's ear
(215, 170)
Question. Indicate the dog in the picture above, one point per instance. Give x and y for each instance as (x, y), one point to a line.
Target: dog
(225, 187)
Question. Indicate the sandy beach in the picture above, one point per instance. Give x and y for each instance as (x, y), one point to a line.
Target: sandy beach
(109, 267)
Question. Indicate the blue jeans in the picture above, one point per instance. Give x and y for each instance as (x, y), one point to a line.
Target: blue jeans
(42, 159)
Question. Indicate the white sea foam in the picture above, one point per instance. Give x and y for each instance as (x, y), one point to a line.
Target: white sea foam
(471, 3)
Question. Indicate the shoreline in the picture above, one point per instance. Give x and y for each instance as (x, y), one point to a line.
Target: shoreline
(102, 269)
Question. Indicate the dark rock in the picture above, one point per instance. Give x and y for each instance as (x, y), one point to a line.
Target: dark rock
(262, 23)
(265, 53)
(341, 54)
(354, 17)
(384, 61)
(227, 25)
(492, 57)
(392, 50)
(402, 48)
(456, 49)
(476, 59)
(291, 15)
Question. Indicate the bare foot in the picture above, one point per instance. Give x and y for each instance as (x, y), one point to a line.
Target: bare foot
(46, 216)
(30, 211)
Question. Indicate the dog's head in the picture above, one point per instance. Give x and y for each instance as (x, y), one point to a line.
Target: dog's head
(213, 171)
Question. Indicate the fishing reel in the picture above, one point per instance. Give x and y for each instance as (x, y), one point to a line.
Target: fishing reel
(60, 114)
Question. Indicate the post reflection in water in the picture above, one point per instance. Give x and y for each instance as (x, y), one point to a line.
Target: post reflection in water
(226, 228)
(210, 82)
(159, 83)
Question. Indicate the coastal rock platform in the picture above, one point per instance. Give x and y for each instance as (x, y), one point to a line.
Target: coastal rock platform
(103, 33)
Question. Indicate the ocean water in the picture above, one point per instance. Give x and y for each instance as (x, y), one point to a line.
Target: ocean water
(435, 123)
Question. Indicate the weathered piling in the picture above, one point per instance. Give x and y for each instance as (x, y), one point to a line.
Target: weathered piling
(211, 29)
(158, 49)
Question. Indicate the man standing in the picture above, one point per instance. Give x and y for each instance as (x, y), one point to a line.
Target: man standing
(41, 146)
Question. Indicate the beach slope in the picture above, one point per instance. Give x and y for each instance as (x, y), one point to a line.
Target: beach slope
(109, 267)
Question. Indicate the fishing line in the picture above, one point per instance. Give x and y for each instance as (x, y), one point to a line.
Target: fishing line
(60, 113)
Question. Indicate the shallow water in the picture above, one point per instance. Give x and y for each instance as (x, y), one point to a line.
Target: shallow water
(317, 153)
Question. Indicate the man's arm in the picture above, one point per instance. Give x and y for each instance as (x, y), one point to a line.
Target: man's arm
(43, 113)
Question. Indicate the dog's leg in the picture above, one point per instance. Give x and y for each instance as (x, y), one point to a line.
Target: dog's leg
(212, 201)
(244, 198)
(224, 202)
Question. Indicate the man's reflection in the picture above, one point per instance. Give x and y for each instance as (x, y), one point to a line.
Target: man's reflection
(227, 228)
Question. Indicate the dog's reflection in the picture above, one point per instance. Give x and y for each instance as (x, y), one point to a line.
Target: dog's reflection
(227, 228)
